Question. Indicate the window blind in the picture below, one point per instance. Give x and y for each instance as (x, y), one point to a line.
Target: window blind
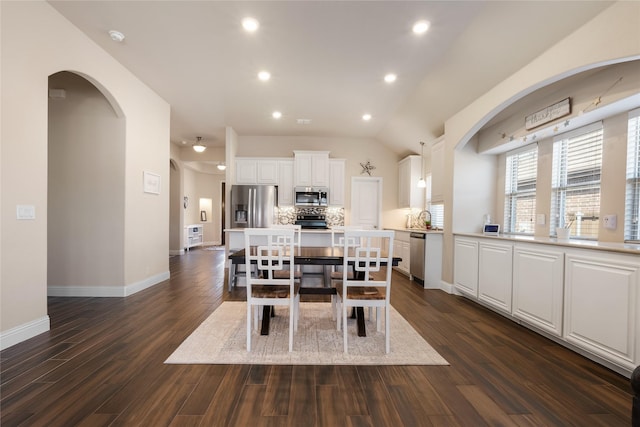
(520, 191)
(437, 215)
(575, 181)
(632, 196)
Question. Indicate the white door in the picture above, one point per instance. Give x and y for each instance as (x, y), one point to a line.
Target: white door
(366, 202)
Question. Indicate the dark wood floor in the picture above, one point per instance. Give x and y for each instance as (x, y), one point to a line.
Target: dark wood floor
(102, 364)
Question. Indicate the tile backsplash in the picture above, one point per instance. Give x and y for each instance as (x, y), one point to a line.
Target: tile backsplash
(333, 215)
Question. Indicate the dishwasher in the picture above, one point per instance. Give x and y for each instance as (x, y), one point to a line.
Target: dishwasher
(416, 264)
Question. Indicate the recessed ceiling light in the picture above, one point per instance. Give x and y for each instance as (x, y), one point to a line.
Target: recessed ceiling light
(250, 24)
(366, 117)
(421, 27)
(276, 114)
(390, 78)
(116, 36)
(264, 75)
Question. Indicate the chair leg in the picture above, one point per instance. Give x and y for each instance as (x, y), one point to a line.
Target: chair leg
(378, 319)
(344, 325)
(337, 311)
(387, 327)
(248, 326)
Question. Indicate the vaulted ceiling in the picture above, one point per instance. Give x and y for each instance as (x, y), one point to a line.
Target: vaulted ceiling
(327, 60)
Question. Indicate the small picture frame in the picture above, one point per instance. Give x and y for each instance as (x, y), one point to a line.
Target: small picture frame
(203, 216)
(150, 182)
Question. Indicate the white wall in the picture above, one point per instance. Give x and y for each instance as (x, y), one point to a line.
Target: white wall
(38, 42)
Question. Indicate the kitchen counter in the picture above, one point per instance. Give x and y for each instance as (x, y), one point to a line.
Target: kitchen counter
(416, 230)
(628, 248)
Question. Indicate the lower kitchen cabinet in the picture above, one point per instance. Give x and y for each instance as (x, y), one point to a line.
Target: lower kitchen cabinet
(494, 274)
(401, 248)
(601, 306)
(538, 275)
(465, 266)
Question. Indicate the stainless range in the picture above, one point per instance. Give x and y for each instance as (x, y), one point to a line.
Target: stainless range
(308, 221)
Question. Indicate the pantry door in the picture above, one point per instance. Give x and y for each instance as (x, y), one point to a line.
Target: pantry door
(366, 202)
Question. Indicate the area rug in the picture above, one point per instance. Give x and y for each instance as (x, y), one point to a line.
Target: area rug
(221, 339)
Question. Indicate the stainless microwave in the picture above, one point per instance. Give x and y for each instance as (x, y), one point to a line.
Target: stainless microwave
(312, 196)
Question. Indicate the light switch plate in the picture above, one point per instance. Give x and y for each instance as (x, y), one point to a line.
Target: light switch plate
(541, 219)
(610, 221)
(25, 212)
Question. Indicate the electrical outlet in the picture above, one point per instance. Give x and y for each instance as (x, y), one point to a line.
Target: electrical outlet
(610, 221)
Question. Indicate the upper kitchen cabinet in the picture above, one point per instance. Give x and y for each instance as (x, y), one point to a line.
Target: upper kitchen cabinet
(409, 194)
(437, 170)
(285, 182)
(311, 169)
(336, 182)
(256, 171)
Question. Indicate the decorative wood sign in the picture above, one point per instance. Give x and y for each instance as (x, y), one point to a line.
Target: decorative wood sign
(549, 114)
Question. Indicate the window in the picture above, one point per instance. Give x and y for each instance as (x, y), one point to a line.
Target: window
(437, 215)
(520, 191)
(632, 197)
(575, 181)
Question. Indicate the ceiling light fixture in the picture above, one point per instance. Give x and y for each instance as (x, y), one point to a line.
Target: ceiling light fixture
(199, 147)
(116, 36)
(264, 75)
(276, 114)
(390, 78)
(366, 117)
(421, 27)
(421, 182)
(250, 25)
(221, 166)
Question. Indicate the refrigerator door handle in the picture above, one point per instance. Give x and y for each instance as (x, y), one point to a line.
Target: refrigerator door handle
(252, 207)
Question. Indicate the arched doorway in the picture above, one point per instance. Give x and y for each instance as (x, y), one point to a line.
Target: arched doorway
(86, 189)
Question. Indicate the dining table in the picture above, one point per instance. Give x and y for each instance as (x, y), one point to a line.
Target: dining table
(310, 255)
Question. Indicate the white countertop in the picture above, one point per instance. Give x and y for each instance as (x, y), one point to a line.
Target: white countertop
(628, 248)
(416, 230)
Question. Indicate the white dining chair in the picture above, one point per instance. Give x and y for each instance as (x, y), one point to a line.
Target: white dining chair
(271, 250)
(297, 238)
(335, 274)
(371, 258)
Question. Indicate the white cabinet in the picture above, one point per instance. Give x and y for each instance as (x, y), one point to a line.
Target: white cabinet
(465, 267)
(495, 274)
(246, 171)
(402, 249)
(601, 305)
(437, 171)
(538, 284)
(285, 183)
(256, 171)
(311, 168)
(336, 182)
(193, 236)
(409, 173)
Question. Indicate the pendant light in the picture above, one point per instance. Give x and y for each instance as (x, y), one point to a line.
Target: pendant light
(421, 182)
(199, 147)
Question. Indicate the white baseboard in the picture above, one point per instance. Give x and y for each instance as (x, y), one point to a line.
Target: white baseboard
(176, 251)
(23, 332)
(106, 291)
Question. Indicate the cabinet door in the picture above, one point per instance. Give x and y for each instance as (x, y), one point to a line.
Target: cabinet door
(538, 284)
(285, 183)
(409, 173)
(320, 170)
(302, 168)
(465, 271)
(336, 182)
(600, 305)
(495, 275)
(437, 171)
(267, 172)
(246, 171)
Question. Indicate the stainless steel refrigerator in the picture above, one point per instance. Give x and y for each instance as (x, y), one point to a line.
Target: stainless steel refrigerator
(253, 206)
